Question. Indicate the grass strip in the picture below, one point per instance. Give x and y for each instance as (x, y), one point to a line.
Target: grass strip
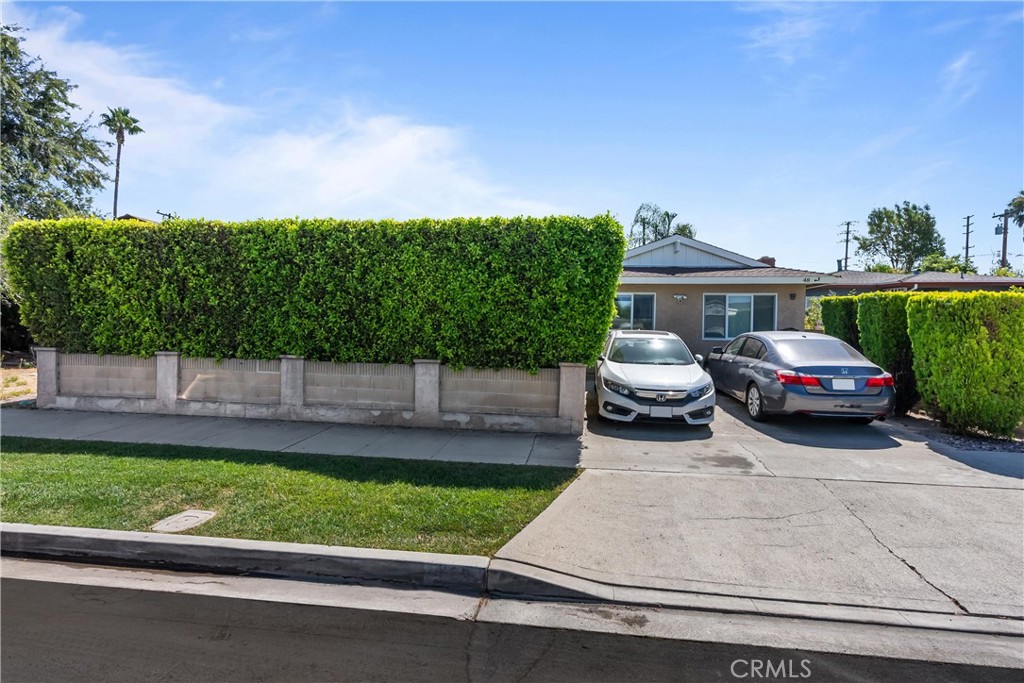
(446, 507)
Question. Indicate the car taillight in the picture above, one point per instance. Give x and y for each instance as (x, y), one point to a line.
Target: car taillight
(795, 378)
(883, 380)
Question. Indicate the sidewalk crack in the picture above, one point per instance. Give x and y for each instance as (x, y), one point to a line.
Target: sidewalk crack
(305, 438)
(533, 445)
(754, 455)
(891, 552)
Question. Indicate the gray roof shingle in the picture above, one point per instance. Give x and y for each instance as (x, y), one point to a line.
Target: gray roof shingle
(653, 271)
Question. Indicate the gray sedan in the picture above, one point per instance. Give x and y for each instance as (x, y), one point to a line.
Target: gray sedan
(801, 372)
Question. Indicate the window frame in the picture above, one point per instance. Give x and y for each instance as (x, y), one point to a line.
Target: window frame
(704, 319)
(632, 308)
(761, 352)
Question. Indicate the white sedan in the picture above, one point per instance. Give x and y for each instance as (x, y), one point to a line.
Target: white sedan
(650, 374)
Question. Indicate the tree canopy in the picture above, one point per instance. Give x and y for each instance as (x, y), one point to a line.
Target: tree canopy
(902, 235)
(49, 163)
(652, 223)
(940, 263)
(880, 268)
(1016, 207)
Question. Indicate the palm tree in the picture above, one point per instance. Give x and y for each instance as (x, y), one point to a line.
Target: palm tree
(119, 122)
(1016, 207)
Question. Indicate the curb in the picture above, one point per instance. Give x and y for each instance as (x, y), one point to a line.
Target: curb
(473, 574)
(464, 573)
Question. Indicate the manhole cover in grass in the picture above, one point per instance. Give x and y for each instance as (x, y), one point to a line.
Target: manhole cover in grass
(183, 520)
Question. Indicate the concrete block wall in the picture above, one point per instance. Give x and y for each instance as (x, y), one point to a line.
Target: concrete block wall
(425, 394)
(502, 392)
(363, 385)
(230, 380)
(86, 374)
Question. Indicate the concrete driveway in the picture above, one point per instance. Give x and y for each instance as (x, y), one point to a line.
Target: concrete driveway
(814, 511)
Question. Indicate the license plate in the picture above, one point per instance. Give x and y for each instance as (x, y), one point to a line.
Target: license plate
(844, 385)
(661, 411)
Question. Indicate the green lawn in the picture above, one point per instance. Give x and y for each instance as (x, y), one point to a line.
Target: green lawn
(369, 502)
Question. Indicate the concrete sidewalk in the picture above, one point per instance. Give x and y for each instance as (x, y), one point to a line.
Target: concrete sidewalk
(506, 448)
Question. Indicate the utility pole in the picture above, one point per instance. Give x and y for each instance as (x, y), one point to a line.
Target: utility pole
(1005, 215)
(846, 256)
(967, 240)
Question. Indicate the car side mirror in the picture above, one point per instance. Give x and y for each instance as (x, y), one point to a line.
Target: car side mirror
(699, 358)
(716, 349)
(600, 357)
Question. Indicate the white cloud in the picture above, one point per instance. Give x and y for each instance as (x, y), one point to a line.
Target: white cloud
(790, 34)
(178, 122)
(962, 77)
(200, 156)
(359, 166)
(258, 35)
(884, 142)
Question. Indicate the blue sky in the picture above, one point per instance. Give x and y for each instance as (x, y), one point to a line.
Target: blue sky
(765, 125)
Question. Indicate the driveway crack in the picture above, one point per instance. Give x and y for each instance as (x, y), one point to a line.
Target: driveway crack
(754, 455)
(890, 550)
(758, 519)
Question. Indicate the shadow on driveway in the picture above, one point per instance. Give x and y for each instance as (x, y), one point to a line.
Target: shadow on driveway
(817, 432)
(1003, 464)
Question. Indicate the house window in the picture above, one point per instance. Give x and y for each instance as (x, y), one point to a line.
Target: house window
(729, 315)
(634, 312)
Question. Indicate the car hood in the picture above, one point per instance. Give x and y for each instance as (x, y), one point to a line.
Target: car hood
(657, 376)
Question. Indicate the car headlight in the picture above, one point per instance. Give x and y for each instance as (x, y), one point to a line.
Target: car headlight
(617, 388)
(703, 391)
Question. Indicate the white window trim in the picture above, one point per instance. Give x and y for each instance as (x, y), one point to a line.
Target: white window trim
(632, 307)
(703, 310)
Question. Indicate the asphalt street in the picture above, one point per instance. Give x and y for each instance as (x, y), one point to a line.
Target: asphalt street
(82, 623)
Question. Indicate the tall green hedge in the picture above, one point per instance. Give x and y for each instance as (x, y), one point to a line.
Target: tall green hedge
(839, 318)
(521, 292)
(882, 320)
(969, 358)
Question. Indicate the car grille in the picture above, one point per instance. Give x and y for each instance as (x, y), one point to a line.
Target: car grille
(649, 397)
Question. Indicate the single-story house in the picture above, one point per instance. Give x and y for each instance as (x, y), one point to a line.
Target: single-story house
(857, 282)
(708, 295)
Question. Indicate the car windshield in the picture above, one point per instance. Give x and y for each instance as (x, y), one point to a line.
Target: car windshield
(667, 351)
(816, 350)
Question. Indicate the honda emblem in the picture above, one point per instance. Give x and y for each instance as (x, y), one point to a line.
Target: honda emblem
(660, 397)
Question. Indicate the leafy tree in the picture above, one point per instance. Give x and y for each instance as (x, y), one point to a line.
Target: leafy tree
(49, 164)
(684, 230)
(812, 314)
(119, 122)
(1006, 271)
(880, 268)
(652, 223)
(1016, 207)
(903, 235)
(940, 263)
